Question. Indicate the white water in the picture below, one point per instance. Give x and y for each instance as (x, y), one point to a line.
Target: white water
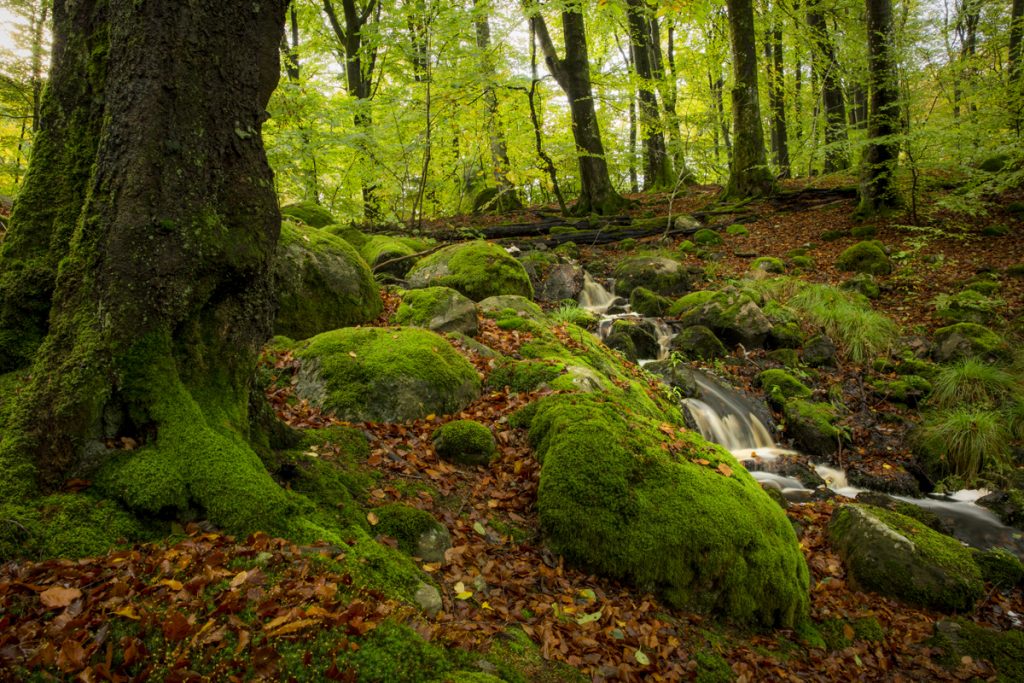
(594, 297)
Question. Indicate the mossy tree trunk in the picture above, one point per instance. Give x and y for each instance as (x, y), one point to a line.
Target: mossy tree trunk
(657, 165)
(777, 99)
(878, 166)
(749, 175)
(826, 68)
(150, 188)
(573, 75)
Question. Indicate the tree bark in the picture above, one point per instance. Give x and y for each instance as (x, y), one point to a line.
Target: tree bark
(508, 198)
(657, 166)
(573, 75)
(359, 61)
(149, 185)
(777, 100)
(748, 171)
(1016, 50)
(878, 165)
(825, 66)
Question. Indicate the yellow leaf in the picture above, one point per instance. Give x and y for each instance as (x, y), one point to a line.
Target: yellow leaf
(128, 612)
(372, 518)
(886, 466)
(59, 596)
(430, 418)
(464, 595)
(172, 584)
(725, 469)
(431, 567)
(292, 627)
(459, 587)
(352, 353)
(239, 579)
(486, 605)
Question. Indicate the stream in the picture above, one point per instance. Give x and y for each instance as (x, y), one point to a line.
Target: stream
(727, 417)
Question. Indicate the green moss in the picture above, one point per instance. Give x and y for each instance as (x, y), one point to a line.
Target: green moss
(348, 233)
(465, 441)
(969, 339)
(910, 573)
(436, 308)
(395, 653)
(779, 385)
(865, 257)
(405, 524)
(648, 303)
(768, 264)
(614, 500)
(803, 262)
(909, 389)
(628, 244)
(1000, 567)
(477, 269)
(380, 248)
(712, 668)
(385, 374)
(737, 229)
(835, 632)
(786, 357)
(691, 301)
(66, 525)
(518, 660)
(1004, 649)
(687, 247)
(523, 376)
(659, 274)
(322, 283)
(833, 235)
(310, 213)
(863, 232)
(812, 426)
(510, 306)
(863, 283)
(706, 238)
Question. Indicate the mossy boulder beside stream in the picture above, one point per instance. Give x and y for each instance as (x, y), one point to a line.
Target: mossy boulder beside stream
(382, 374)
(477, 269)
(638, 499)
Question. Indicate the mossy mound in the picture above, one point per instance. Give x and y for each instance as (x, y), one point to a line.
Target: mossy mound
(439, 309)
(733, 315)
(615, 500)
(648, 303)
(635, 340)
(691, 301)
(768, 264)
(310, 213)
(706, 237)
(909, 389)
(895, 555)
(466, 442)
(962, 638)
(321, 282)
(812, 426)
(477, 269)
(1000, 567)
(380, 249)
(737, 229)
(417, 532)
(865, 257)
(697, 342)
(510, 305)
(968, 339)
(357, 238)
(658, 274)
(863, 283)
(385, 374)
(779, 385)
(524, 375)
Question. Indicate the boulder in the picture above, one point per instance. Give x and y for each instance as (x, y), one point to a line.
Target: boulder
(633, 498)
(811, 426)
(380, 374)
(768, 264)
(310, 213)
(677, 375)
(706, 237)
(865, 257)
(897, 556)
(660, 275)
(819, 351)
(1007, 505)
(438, 309)
(733, 316)
(779, 386)
(417, 532)
(321, 283)
(968, 339)
(505, 305)
(697, 342)
(465, 442)
(560, 282)
(633, 339)
(380, 249)
(477, 269)
(647, 303)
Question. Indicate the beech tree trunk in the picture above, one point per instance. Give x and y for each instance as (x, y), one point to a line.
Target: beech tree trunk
(878, 165)
(826, 68)
(657, 166)
(150, 187)
(359, 62)
(573, 75)
(777, 100)
(1016, 48)
(749, 174)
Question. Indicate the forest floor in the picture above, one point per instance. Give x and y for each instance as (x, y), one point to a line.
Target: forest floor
(498, 573)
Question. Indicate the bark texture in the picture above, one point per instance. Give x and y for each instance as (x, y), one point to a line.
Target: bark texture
(826, 68)
(878, 165)
(151, 189)
(642, 38)
(749, 174)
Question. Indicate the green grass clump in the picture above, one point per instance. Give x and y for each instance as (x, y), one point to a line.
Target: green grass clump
(972, 380)
(966, 440)
(574, 314)
(861, 333)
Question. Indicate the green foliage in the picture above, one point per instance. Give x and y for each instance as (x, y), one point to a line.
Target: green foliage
(573, 314)
(860, 332)
(966, 440)
(972, 381)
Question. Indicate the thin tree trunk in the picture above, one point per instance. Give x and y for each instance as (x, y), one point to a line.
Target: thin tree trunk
(538, 138)
(507, 196)
(878, 166)
(38, 27)
(573, 75)
(748, 173)
(290, 54)
(149, 185)
(836, 154)
(777, 100)
(657, 166)
(669, 98)
(1016, 56)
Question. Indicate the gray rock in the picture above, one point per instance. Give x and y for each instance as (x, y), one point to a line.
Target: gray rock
(661, 275)
(633, 340)
(431, 544)
(687, 222)
(428, 598)
(438, 309)
(676, 375)
(563, 281)
(819, 351)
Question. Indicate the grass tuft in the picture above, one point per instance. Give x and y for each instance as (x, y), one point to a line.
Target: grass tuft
(973, 381)
(967, 440)
(860, 332)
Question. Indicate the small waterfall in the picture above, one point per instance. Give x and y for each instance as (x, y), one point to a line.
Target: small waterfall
(593, 296)
(727, 418)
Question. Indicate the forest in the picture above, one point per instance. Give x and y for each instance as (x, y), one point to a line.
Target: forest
(498, 340)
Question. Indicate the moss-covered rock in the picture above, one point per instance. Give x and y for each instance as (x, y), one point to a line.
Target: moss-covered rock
(310, 213)
(524, 375)
(768, 264)
(706, 237)
(321, 282)
(779, 386)
(962, 638)
(968, 339)
(385, 374)
(417, 532)
(613, 499)
(788, 335)
(690, 301)
(865, 257)
(510, 305)
(819, 351)
(357, 238)
(737, 229)
(733, 316)
(863, 283)
(909, 389)
(466, 442)
(895, 555)
(477, 269)
(801, 262)
(1000, 567)
(785, 357)
(648, 303)
(812, 426)
(380, 249)
(438, 309)
(697, 342)
(634, 339)
(658, 274)
(968, 306)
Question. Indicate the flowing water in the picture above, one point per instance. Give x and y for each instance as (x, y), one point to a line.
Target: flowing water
(727, 417)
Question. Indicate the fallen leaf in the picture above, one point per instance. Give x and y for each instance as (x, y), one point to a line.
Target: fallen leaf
(848, 632)
(58, 596)
(292, 627)
(479, 528)
(175, 585)
(128, 612)
(239, 579)
(725, 469)
(372, 518)
(587, 618)
(641, 658)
